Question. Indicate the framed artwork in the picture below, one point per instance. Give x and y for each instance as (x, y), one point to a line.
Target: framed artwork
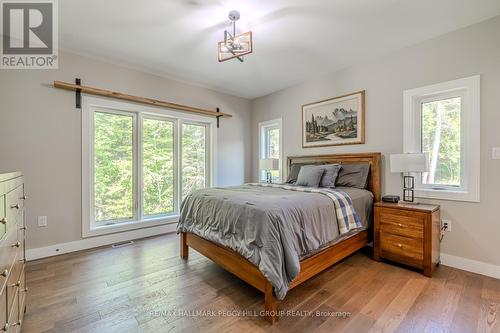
(335, 121)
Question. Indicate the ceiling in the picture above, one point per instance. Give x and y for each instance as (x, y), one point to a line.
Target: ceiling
(294, 40)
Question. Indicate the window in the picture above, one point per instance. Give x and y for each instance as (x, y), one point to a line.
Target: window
(442, 121)
(158, 178)
(194, 158)
(139, 163)
(441, 141)
(113, 166)
(270, 143)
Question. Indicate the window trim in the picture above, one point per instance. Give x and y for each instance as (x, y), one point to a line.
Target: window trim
(469, 89)
(91, 104)
(278, 122)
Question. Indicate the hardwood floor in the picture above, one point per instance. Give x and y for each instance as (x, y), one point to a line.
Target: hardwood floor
(135, 288)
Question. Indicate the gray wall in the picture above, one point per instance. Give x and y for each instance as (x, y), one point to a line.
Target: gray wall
(40, 135)
(466, 52)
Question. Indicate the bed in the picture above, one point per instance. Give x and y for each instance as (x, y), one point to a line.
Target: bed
(270, 225)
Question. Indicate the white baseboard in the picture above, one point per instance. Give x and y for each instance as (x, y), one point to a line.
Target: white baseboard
(470, 265)
(92, 242)
(465, 264)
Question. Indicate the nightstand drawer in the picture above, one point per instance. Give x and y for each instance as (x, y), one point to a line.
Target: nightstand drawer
(402, 228)
(402, 246)
(415, 220)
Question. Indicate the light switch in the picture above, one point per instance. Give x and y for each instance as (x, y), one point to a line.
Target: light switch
(495, 153)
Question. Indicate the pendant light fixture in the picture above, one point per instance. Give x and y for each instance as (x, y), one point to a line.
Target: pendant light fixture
(233, 45)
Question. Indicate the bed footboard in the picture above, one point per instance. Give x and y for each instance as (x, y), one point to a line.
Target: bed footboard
(245, 270)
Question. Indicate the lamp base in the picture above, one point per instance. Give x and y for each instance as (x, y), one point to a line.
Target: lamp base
(408, 186)
(269, 177)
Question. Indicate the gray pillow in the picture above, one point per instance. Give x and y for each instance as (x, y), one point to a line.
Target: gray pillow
(330, 175)
(310, 175)
(353, 175)
(294, 173)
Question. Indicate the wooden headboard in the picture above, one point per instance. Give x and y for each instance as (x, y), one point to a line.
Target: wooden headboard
(374, 180)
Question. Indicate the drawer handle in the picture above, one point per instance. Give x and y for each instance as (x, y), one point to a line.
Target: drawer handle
(400, 245)
(17, 244)
(5, 328)
(400, 225)
(5, 273)
(17, 284)
(16, 206)
(3, 220)
(24, 197)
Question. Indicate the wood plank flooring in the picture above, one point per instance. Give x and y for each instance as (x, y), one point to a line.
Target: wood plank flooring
(137, 289)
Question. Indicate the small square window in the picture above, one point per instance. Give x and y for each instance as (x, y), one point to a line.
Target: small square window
(443, 121)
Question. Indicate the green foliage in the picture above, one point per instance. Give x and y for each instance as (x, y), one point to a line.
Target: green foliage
(113, 166)
(158, 166)
(447, 114)
(193, 158)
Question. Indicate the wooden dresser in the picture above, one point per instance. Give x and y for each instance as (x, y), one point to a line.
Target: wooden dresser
(407, 234)
(12, 252)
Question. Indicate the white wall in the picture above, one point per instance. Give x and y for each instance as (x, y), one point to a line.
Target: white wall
(40, 135)
(470, 51)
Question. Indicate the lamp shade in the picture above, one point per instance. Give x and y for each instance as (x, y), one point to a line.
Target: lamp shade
(409, 162)
(269, 164)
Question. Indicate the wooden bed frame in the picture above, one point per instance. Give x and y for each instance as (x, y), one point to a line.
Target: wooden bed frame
(309, 267)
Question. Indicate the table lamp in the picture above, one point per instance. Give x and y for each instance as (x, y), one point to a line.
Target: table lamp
(269, 164)
(406, 164)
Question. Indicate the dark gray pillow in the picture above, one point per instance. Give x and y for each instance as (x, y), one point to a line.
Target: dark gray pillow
(353, 175)
(330, 175)
(294, 173)
(310, 175)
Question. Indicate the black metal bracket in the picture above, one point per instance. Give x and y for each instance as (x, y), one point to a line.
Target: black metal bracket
(218, 110)
(78, 94)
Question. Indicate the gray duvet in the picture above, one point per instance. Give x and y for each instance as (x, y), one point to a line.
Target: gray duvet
(273, 228)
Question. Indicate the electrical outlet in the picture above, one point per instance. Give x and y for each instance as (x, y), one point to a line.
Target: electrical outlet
(446, 225)
(42, 221)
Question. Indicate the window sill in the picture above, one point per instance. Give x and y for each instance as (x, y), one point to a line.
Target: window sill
(447, 195)
(130, 225)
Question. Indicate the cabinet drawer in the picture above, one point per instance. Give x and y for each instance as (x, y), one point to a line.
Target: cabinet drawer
(412, 219)
(3, 309)
(3, 218)
(14, 315)
(409, 249)
(13, 283)
(402, 228)
(7, 255)
(14, 204)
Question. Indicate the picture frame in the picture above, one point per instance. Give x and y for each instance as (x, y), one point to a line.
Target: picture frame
(334, 121)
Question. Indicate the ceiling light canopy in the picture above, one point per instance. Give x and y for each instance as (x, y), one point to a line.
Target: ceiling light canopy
(234, 46)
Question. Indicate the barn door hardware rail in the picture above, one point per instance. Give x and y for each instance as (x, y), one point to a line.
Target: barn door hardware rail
(79, 89)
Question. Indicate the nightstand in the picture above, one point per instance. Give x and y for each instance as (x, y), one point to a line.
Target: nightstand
(407, 234)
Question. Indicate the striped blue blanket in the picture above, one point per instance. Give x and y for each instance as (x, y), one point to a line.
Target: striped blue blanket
(347, 218)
